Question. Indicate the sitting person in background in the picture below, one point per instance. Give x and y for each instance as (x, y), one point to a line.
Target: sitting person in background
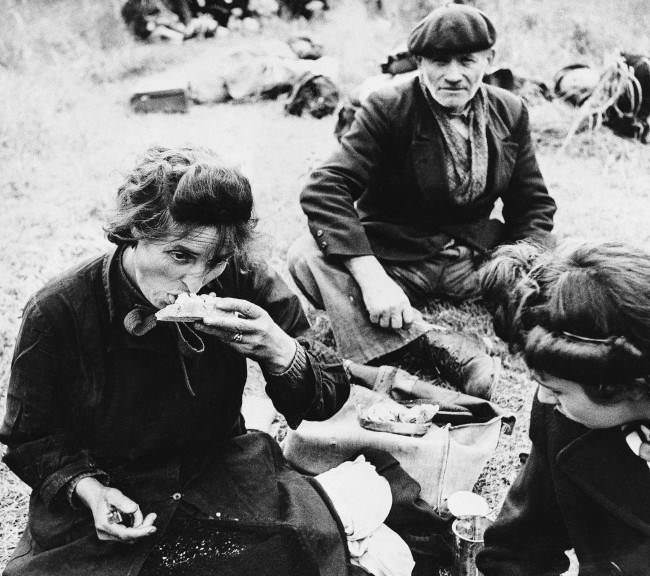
(128, 429)
(585, 319)
(170, 20)
(400, 214)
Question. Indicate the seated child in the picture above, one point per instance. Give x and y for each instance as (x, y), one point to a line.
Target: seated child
(586, 484)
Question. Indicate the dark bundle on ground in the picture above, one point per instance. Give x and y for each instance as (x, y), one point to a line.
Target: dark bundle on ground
(141, 16)
(625, 88)
(629, 115)
(138, 14)
(304, 8)
(220, 10)
(530, 89)
(315, 94)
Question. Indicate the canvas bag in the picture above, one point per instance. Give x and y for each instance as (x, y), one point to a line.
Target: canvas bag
(448, 458)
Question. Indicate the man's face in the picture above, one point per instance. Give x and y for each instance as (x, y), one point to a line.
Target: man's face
(165, 268)
(453, 79)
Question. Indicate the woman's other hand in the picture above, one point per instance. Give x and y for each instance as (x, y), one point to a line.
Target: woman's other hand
(104, 502)
(251, 331)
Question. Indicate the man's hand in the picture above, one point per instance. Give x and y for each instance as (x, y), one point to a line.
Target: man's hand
(104, 502)
(385, 301)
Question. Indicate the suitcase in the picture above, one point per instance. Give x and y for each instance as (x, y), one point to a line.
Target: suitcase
(169, 101)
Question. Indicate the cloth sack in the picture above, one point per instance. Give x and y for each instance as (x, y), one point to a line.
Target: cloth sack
(361, 497)
(448, 458)
(383, 553)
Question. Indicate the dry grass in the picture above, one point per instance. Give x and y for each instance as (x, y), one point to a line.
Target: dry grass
(66, 135)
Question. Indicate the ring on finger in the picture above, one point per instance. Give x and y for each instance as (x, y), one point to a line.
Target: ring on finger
(237, 337)
(114, 516)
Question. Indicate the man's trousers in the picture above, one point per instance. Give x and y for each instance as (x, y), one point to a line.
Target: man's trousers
(451, 274)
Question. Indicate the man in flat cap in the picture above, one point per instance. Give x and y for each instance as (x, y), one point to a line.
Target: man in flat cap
(401, 212)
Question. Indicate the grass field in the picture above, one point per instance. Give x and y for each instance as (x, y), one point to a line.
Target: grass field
(67, 68)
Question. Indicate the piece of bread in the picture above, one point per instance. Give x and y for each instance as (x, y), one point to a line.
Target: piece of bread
(188, 308)
(389, 416)
(390, 411)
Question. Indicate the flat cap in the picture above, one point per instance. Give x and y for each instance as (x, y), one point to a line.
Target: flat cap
(452, 29)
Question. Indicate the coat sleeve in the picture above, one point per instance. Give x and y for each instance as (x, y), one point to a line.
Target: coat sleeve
(316, 385)
(528, 208)
(41, 451)
(333, 188)
(529, 537)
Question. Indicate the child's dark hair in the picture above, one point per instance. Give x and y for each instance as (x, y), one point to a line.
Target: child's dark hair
(505, 287)
(172, 190)
(584, 312)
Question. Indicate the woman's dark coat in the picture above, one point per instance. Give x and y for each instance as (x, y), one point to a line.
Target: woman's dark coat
(86, 396)
(582, 489)
(390, 164)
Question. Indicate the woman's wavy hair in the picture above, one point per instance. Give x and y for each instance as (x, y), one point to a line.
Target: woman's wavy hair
(584, 312)
(170, 191)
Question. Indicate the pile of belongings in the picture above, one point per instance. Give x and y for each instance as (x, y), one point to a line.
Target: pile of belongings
(178, 20)
(295, 69)
(619, 94)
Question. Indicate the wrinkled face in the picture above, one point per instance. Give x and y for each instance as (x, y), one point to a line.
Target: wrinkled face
(453, 79)
(162, 269)
(569, 399)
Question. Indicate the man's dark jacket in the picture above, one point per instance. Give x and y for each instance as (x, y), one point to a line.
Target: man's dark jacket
(582, 489)
(390, 164)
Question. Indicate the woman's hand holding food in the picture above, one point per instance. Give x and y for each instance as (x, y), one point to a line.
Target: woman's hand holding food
(251, 331)
(108, 507)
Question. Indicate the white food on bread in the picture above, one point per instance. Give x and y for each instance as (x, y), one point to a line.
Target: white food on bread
(418, 414)
(387, 411)
(383, 412)
(188, 306)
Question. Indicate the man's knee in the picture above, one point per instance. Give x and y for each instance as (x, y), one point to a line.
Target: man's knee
(301, 257)
(459, 280)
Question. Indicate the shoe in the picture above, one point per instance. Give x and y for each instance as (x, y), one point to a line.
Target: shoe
(462, 361)
(384, 379)
(482, 373)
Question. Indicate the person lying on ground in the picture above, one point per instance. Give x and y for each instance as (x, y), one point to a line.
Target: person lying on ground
(401, 212)
(124, 426)
(586, 483)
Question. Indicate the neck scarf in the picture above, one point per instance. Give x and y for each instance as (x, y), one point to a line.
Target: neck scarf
(142, 318)
(465, 160)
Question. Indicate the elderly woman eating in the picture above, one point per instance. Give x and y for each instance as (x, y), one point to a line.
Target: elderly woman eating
(128, 429)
